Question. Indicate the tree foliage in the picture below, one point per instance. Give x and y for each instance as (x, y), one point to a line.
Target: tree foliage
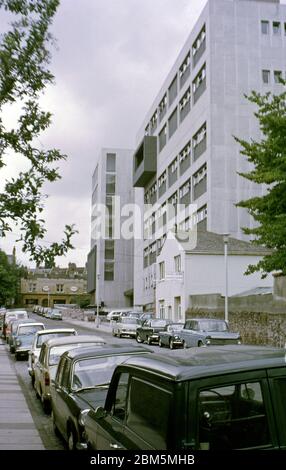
(10, 275)
(268, 157)
(24, 75)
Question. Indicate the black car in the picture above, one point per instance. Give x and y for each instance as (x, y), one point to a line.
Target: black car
(220, 398)
(81, 384)
(149, 330)
(170, 336)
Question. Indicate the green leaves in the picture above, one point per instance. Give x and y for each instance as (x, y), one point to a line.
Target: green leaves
(24, 74)
(268, 157)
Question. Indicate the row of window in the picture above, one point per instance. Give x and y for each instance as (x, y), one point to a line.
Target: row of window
(178, 166)
(276, 26)
(277, 76)
(33, 287)
(152, 251)
(180, 79)
(177, 267)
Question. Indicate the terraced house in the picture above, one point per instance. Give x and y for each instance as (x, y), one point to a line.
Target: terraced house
(186, 152)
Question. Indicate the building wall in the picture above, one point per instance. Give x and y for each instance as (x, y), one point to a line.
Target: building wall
(234, 54)
(49, 291)
(111, 292)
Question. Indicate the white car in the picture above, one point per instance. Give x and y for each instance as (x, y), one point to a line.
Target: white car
(46, 367)
(39, 338)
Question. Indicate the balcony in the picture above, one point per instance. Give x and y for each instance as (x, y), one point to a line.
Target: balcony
(145, 161)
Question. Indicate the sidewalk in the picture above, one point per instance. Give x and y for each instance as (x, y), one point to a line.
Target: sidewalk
(17, 428)
(106, 327)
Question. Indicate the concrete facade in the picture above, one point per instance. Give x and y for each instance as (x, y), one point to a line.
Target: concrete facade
(110, 270)
(235, 47)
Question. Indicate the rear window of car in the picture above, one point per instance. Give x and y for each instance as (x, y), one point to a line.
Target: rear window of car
(129, 320)
(29, 329)
(158, 323)
(43, 338)
(57, 351)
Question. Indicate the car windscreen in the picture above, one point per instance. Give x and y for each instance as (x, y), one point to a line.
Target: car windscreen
(29, 329)
(57, 351)
(212, 325)
(42, 338)
(130, 320)
(161, 323)
(95, 371)
(175, 327)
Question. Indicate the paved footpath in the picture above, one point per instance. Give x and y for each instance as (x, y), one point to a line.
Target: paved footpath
(17, 428)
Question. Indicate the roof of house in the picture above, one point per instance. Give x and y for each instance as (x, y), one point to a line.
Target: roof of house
(204, 242)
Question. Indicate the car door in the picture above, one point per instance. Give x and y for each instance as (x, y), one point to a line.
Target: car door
(108, 433)
(61, 398)
(39, 369)
(277, 383)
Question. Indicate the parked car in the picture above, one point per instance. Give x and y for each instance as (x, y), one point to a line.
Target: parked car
(81, 383)
(218, 399)
(50, 354)
(170, 335)
(115, 314)
(13, 333)
(24, 336)
(39, 338)
(56, 314)
(207, 332)
(149, 330)
(125, 326)
(12, 315)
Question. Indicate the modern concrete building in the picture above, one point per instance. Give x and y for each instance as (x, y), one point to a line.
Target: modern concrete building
(110, 261)
(186, 152)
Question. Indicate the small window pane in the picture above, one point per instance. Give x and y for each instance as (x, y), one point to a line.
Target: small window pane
(110, 162)
(266, 76)
(276, 27)
(265, 27)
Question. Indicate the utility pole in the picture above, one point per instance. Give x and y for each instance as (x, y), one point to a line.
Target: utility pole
(225, 241)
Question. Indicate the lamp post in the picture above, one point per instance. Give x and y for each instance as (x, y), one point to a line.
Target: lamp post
(97, 301)
(225, 241)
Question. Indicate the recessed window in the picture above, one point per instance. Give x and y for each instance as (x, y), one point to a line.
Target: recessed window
(266, 76)
(185, 104)
(173, 90)
(110, 162)
(199, 46)
(178, 264)
(185, 193)
(185, 69)
(153, 122)
(109, 249)
(265, 27)
(200, 182)
(162, 270)
(199, 84)
(173, 171)
(185, 158)
(162, 107)
(162, 183)
(173, 123)
(110, 184)
(276, 28)
(277, 76)
(200, 141)
(60, 287)
(162, 138)
(109, 271)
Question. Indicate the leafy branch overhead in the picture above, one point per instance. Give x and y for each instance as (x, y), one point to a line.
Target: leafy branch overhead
(268, 159)
(24, 75)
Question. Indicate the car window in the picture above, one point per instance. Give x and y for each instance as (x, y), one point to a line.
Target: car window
(95, 371)
(57, 351)
(42, 338)
(232, 417)
(156, 323)
(212, 325)
(29, 329)
(150, 425)
(66, 373)
(42, 354)
(119, 407)
(60, 370)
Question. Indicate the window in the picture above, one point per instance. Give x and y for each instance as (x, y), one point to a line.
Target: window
(32, 287)
(109, 271)
(173, 171)
(200, 141)
(60, 287)
(266, 76)
(110, 184)
(146, 257)
(95, 177)
(119, 405)
(109, 249)
(199, 84)
(200, 182)
(276, 28)
(162, 138)
(173, 123)
(185, 158)
(265, 27)
(173, 90)
(284, 29)
(178, 267)
(200, 217)
(110, 162)
(154, 122)
(199, 46)
(161, 308)
(152, 253)
(153, 193)
(163, 107)
(277, 76)
(185, 70)
(141, 419)
(162, 183)
(185, 193)
(232, 417)
(162, 270)
(185, 104)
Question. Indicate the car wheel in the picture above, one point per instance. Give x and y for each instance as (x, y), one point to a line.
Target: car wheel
(160, 343)
(46, 405)
(113, 333)
(71, 440)
(33, 380)
(200, 344)
(171, 344)
(138, 338)
(185, 345)
(16, 356)
(149, 341)
(119, 335)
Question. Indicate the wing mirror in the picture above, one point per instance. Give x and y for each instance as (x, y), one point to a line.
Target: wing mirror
(100, 412)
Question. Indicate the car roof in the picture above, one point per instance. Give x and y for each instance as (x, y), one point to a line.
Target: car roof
(55, 330)
(208, 319)
(34, 323)
(194, 363)
(62, 341)
(87, 351)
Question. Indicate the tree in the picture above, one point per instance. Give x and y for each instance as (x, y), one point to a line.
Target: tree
(24, 75)
(268, 158)
(10, 275)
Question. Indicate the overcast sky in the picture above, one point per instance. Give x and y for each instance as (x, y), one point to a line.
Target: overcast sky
(111, 59)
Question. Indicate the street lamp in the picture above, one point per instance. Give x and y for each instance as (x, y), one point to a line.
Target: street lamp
(225, 241)
(97, 301)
